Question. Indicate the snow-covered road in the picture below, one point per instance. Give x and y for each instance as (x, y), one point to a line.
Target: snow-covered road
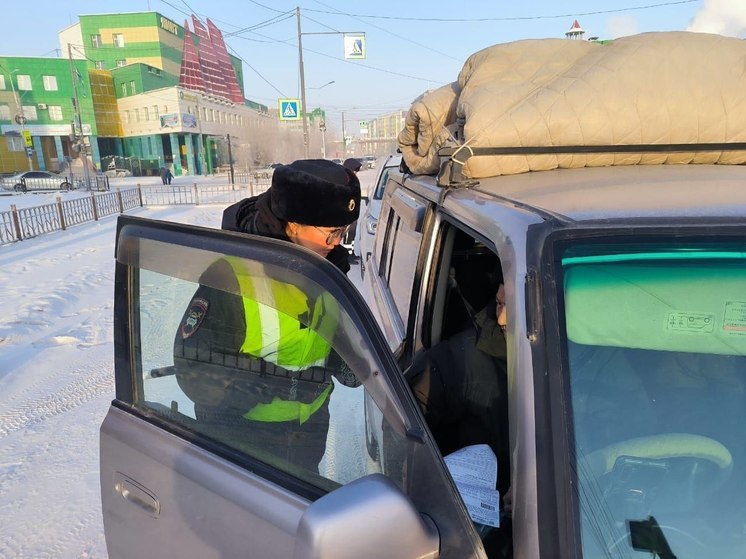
(56, 382)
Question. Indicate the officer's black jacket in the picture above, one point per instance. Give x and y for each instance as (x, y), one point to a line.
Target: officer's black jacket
(210, 368)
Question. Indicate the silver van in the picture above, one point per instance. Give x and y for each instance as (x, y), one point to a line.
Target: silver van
(626, 376)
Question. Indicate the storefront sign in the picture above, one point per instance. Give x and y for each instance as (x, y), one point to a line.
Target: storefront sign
(169, 26)
(188, 120)
(170, 121)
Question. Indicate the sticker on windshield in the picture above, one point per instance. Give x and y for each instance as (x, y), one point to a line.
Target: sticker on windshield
(735, 316)
(682, 321)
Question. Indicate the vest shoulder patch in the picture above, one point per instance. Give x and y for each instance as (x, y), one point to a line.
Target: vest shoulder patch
(194, 317)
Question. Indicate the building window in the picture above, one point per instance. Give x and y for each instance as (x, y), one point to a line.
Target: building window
(126, 117)
(155, 112)
(132, 87)
(165, 109)
(118, 40)
(24, 82)
(137, 115)
(2, 81)
(100, 65)
(15, 143)
(96, 41)
(4, 112)
(145, 114)
(124, 89)
(29, 111)
(121, 62)
(50, 83)
(55, 112)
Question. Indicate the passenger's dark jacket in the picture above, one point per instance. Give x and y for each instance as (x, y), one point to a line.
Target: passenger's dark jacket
(461, 387)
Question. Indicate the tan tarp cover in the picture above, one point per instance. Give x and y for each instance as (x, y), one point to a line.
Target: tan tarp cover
(652, 88)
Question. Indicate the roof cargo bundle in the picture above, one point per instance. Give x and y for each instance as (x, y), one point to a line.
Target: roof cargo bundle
(532, 105)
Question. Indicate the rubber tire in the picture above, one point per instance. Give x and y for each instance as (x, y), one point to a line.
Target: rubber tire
(65, 186)
(19, 187)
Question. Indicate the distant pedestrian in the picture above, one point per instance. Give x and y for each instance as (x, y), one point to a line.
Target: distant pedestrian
(163, 172)
(169, 176)
(353, 164)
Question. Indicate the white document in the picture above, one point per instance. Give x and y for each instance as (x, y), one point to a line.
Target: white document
(474, 469)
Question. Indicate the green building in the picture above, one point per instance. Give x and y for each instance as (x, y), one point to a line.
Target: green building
(151, 93)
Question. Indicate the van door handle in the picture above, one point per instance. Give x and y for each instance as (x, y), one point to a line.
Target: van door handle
(137, 494)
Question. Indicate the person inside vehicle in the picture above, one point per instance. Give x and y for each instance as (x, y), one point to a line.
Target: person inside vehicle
(461, 386)
(263, 372)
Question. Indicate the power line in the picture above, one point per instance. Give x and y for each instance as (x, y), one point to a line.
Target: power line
(514, 18)
(396, 35)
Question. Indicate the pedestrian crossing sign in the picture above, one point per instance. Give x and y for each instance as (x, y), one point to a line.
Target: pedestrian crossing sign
(354, 46)
(289, 109)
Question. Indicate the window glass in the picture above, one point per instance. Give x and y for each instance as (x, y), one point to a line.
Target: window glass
(132, 87)
(2, 81)
(126, 117)
(118, 40)
(96, 41)
(15, 143)
(124, 89)
(24, 82)
(137, 114)
(50, 83)
(29, 111)
(301, 408)
(55, 112)
(145, 113)
(404, 249)
(155, 112)
(378, 194)
(656, 339)
(4, 112)
(100, 65)
(121, 62)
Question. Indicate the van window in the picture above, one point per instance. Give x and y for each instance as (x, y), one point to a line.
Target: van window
(461, 380)
(656, 338)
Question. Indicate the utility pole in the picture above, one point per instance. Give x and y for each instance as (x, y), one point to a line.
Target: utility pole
(344, 138)
(302, 87)
(78, 122)
(230, 157)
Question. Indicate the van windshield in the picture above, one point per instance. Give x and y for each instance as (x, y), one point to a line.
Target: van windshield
(656, 339)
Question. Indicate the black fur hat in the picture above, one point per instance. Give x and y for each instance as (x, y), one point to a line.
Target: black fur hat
(315, 192)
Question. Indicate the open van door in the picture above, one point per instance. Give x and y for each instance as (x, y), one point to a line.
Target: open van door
(173, 484)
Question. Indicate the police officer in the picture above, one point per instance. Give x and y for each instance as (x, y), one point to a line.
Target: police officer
(256, 359)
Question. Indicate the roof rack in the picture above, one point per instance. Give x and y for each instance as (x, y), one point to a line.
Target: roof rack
(455, 157)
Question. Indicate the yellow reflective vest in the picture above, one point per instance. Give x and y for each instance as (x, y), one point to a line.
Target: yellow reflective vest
(281, 329)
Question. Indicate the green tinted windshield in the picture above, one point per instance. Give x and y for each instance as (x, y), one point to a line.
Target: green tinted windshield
(656, 339)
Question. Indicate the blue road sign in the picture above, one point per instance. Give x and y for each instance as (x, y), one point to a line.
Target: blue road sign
(289, 109)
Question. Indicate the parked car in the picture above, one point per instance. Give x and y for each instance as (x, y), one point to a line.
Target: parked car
(615, 276)
(36, 180)
(626, 376)
(368, 220)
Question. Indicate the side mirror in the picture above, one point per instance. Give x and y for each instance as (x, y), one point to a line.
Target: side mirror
(369, 518)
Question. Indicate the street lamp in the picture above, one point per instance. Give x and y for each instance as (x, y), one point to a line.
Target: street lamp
(322, 86)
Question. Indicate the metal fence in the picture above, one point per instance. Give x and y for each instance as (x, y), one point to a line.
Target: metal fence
(25, 223)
